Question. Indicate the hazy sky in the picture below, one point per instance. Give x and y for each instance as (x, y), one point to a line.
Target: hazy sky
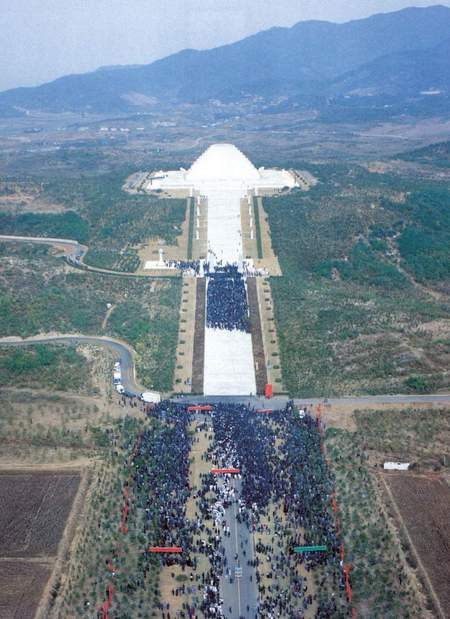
(44, 39)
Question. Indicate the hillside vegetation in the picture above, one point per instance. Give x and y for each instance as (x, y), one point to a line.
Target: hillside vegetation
(59, 368)
(39, 295)
(352, 316)
(112, 222)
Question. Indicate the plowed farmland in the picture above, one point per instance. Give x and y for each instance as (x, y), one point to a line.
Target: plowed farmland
(424, 505)
(33, 511)
(21, 587)
(34, 508)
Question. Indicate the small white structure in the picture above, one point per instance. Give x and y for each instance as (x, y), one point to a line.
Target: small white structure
(151, 397)
(157, 265)
(396, 466)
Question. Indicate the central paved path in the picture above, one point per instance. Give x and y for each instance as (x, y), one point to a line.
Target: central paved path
(238, 585)
(229, 367)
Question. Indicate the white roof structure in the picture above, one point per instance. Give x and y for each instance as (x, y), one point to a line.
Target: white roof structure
(224, 176)
(396, 466)
(222, 162)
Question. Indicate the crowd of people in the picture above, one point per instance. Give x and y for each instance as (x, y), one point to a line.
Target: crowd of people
(202, 268)
(227, 306)
(280, 498)
(194, 268)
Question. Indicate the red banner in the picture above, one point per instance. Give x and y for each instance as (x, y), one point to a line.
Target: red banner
(205, 407)
(170, 549)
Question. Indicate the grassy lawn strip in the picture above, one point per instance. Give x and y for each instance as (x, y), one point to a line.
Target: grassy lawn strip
(191, 228)
(257, 228)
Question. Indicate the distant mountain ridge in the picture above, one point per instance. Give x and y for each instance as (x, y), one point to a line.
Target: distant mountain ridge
(392, 53)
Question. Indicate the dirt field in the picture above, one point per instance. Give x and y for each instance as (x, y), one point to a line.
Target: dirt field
(34, 510)
(21, 587)
(423, 503)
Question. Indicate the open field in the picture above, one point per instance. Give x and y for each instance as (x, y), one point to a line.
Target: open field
(58, 368)
(409, 434)
(34, 511)
(423, 503)
(60, 427)
(381, 580)
(386, 573)
(21, 586)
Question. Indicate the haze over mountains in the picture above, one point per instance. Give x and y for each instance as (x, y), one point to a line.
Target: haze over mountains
(385, 60)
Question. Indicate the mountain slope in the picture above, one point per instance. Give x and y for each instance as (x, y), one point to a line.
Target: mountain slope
(301, 59)
(400, 73)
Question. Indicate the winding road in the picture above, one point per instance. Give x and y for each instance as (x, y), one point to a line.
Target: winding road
(126, 355)
(74, 252)
(125, 352)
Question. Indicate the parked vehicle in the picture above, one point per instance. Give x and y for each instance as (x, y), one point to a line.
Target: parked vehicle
(150, 397)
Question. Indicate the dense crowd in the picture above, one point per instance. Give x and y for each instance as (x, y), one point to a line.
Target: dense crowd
(290, 488)
(281, 499)
(202, 268)
(227, 306)
(190, 267)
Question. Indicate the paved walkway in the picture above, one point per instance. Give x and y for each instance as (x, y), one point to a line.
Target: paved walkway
(229, 367)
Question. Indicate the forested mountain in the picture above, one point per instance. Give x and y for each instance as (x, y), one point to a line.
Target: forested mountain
(400, 53)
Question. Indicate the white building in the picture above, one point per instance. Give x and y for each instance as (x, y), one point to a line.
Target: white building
(222, 163)
(224, 176)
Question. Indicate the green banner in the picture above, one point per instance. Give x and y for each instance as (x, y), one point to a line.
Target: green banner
(309, 548)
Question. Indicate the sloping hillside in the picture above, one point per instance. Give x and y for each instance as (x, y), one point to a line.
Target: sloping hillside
(307, 58)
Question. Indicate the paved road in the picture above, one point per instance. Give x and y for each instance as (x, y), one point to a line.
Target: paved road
(73, 249)
(378, 399)
(126, 357)
(74, 253)
(238, 586)
(280, 402)
(125, 353)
